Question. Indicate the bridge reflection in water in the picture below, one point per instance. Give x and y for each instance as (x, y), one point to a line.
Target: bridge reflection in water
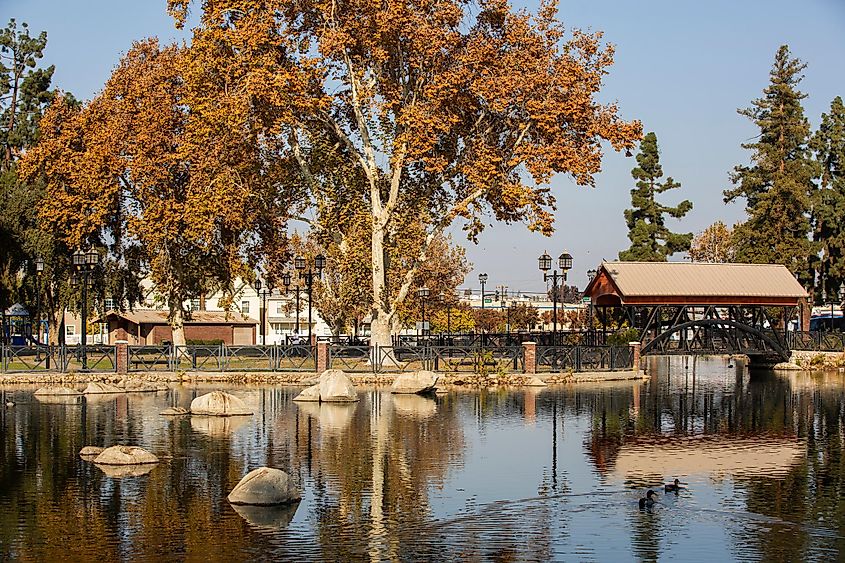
(499, 474)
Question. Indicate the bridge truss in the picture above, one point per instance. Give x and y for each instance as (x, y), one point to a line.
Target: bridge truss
(755, 330)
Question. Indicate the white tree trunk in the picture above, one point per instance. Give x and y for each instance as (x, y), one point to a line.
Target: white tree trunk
(380, 326)
(177, 324)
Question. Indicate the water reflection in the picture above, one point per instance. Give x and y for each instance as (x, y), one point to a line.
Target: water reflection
(500, 474)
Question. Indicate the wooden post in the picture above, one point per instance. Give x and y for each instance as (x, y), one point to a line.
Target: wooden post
(529, 352)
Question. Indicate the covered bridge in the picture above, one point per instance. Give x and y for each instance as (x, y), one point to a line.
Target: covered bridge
(700, 307)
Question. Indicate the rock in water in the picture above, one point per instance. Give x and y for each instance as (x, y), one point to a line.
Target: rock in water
(48, 391)
(219, 403)
(264, 486)
(90, 451)
(416, 382)
(311, 394)
(125, 455)
(101, 388)
(336, 387)
(534, 381)
(175, 411)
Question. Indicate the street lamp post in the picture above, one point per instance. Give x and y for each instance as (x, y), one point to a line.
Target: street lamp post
(545, 263)
(262, 313)
(84, 263)
(422, 294)
(39, 268)
(483, 279)
(308, 276)
(591, 275)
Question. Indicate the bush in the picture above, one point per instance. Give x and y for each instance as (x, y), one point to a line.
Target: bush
(623, 337)
(209, 342)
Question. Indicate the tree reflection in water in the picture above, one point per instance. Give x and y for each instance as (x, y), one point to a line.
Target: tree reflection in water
(498, 474)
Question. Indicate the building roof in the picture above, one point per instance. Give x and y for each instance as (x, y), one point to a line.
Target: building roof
(148, 316)
(701, 279)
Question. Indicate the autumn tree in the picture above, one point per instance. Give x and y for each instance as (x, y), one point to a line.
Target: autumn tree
(489, 320)
(450, 111)
(565, 293)
(523, 316)
(455, 319)
(651, 240)
(828, 144)
(140, 169)
(778, 184)
(713, 244)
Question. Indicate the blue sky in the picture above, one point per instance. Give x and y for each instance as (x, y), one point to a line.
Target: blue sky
(682, 68)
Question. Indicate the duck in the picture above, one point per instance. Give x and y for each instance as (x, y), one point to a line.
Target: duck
(673, 487)
(647, 501)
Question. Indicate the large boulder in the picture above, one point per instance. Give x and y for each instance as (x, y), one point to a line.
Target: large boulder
(90, 452)
(534, 381)
(309, 394)
(265, 486)
(336, 387)
(56, 391)
(101, 389)
(125, 455)
(219, 403)
(416, 382)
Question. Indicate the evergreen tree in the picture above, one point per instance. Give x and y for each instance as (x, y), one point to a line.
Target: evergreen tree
(829, 203)
(651, 240)
(778, 184)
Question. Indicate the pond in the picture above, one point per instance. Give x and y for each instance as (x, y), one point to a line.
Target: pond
(492, 475)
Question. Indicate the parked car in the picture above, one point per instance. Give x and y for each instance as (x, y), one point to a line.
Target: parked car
(827, 323)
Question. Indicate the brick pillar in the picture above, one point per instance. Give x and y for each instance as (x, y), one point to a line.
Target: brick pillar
(322, 357)
(121, 350)
(529, 351)
(804, 314)
(635, 352)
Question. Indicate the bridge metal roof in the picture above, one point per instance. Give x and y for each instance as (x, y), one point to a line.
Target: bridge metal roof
(657, 282)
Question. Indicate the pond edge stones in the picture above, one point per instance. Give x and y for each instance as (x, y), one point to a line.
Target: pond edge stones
(219, 403)
(417, 382)
(49, 391)
(125, 455)
(90, 452)
(265, 486)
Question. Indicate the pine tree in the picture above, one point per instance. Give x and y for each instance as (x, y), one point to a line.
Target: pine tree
(778, 184)
(829, 203)
(651, 239)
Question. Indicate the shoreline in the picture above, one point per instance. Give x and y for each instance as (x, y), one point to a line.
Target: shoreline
(458, 379)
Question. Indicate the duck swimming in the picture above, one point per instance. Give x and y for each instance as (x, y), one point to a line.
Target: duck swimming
(647, 501)
(672, 487)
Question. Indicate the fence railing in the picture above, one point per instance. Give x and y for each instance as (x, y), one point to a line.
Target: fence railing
(816, 341)
(58, 359)
(584, 358)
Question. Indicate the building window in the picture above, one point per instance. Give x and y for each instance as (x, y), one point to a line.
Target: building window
(70, 330)
(109, 304)
(195, 304)
(245, 307)
(279, 309)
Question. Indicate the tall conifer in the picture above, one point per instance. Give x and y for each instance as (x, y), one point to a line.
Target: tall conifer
(778, 184)
(651, 240)
(829, 206)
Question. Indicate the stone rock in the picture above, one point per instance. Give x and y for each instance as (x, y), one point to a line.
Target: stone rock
(175, 411)
(101, 388)
(90, 451)
(534, 381)
(309, 394)
(265, 486)
(136, 386)
(219, 403)
(125, 455)
(121, 471)
(336, 387)
(56, 391)
(416, 382)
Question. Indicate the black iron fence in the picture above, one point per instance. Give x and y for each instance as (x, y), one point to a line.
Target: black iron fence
(584, 358)
(816, 341)
(58, 359)
(501, 339)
